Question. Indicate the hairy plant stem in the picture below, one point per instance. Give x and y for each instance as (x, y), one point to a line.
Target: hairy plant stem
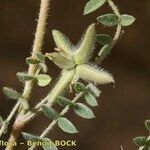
(54, 122)
(118, 29)
(119, 26)
(37, 47)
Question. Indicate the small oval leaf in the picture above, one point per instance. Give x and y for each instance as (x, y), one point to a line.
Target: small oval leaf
(50, 146)
(63, 101)
(28, 136)
(90, 99)
(50, 112)
(66, 125)
(147, 124)
(24, 76)
(127, 20)
(30, 60)
(94, 89)
(40, 56)
(104, 51)
(108, 20)
(140, 141)
(11, 93)
(79, 87)
(103, 39)
(1, 121)
(83, 111)
(43, 79)
(93, 5)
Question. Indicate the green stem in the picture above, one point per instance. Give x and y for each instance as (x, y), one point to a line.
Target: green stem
(54, 122)
(12, 113)
(61, 85)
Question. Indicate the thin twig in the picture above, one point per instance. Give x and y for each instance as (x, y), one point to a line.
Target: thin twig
(54, 122)
(118, 29)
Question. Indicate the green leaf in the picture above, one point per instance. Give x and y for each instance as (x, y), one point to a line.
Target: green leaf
(28, 136)
(50, 146)
(83, 111)
(11, 93)
(66, 125)
(90, 99)
(24, 76)
(140, 141)
(63, 101)
(30, 60)
(93, 5)
(94, 90)
(79, 87)
(127, 20)
(40, 56)
(104, 51)
(108, 20)
(147, 124)
(103, 39)
(1, 120)
(50, 112)
(43, 79)
(5, 125)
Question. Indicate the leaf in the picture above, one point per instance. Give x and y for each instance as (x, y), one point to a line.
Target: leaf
(127, 20)
(5, 125)
(66, 125)
(94, 89)
(64, 101)
(108, 20)
(43, 79)
(40, 56)
(50, 146)
(147, 124)
(1, 120)
(80, 87)
(103, 39)
(93, 5)
(11, 93)
(30, 60)
(24, 76)
(140, 141)
(83, 111)
(105, 50)
(28, 136)
(50, 112)
(90, 99)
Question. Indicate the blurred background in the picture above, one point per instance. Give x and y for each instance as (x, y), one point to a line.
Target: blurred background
(122, 109)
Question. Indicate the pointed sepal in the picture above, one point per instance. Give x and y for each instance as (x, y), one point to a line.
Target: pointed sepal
(62, 41)
(82, 55)
(94, 74)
